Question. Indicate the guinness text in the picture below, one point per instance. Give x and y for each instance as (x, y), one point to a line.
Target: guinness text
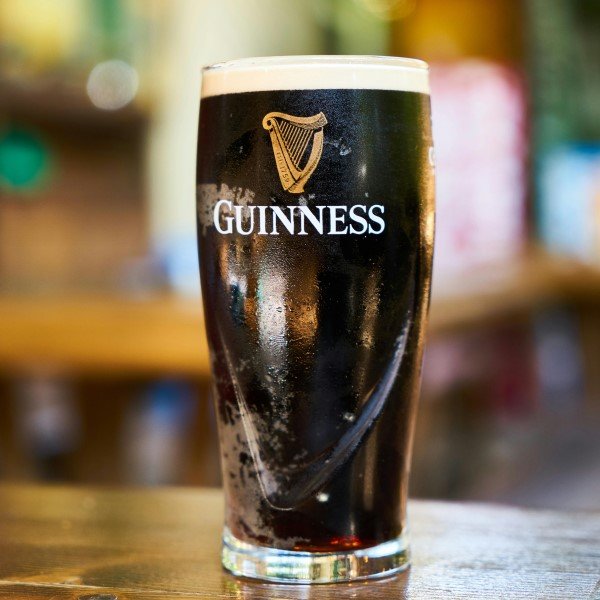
(357, 219)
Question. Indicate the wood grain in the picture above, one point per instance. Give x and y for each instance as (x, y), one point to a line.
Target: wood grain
(74, 543)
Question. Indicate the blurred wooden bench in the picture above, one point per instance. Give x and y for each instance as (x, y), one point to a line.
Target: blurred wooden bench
(111, 334)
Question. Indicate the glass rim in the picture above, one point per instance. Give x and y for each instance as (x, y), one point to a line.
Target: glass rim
(274, 73)
(317, 60)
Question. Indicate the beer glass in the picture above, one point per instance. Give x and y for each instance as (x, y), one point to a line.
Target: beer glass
(315, 227)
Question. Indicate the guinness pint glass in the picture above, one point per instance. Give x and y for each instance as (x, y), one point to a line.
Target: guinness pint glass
(315, 226)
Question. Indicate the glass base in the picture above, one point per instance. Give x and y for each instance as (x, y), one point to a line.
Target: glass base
(286, 566)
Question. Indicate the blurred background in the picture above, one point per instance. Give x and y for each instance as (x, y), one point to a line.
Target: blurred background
(103, 362)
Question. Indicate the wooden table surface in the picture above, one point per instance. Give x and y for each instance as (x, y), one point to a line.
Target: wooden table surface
(89, 544)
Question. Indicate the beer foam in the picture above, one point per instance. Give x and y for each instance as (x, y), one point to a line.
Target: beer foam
(314, 73)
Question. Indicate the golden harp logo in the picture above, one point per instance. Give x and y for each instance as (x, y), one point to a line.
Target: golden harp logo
(290, 137)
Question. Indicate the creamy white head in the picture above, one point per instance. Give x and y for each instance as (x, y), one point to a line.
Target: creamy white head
(315, 72)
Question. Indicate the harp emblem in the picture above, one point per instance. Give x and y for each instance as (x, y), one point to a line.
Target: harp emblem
(290, 138)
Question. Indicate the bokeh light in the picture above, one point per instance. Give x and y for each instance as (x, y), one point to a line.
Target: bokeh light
(112, 84)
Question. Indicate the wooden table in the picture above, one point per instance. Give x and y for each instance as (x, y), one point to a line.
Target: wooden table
(88, 544)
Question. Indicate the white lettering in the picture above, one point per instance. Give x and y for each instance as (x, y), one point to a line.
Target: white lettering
(228, 220)
(335, 219)
(358, 219)
(287, 222)
(316, 222)
(239, 219)
(376, 218)
(262, 220)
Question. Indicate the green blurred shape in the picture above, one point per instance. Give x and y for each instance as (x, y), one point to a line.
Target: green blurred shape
(111, 23)
(24, 159)
(350, 28)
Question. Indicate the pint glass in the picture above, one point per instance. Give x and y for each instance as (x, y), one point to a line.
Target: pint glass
(315, 226)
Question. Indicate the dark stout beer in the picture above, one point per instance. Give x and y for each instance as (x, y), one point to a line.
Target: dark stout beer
(315, 222)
